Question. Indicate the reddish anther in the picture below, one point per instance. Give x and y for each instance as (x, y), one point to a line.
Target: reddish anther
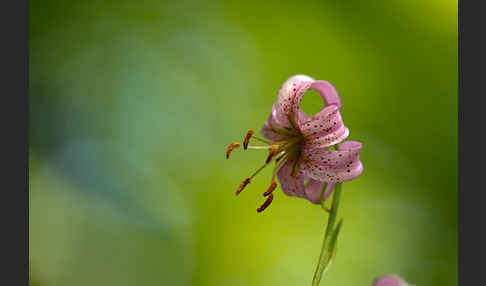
(247, 138)
(270, 189)
(231, 147)
(242, 186)
(266, 203)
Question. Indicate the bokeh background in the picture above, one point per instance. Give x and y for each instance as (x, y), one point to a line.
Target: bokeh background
(132, 106)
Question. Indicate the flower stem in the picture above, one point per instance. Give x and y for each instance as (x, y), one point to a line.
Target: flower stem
(330, 237)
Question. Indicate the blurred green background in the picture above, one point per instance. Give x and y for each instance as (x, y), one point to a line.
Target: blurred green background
(132, 106)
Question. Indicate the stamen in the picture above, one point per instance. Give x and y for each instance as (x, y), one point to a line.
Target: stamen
(258, 171)
(270, 189)
(242, 186)
(266, 203)
(259, 147)
(280, 162)
(231, 147)
(280, 155)
(247, 138)
(289, 142)
(262, 140)
(273, 151)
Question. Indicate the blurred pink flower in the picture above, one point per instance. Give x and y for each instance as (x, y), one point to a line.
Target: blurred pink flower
(302, 147)
(390, 280)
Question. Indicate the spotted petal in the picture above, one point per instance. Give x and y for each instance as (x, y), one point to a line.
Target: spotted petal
(325, 120)
(287, 107)
(324, 129)
(270, 129)
(291, 184)
(333, 166)
(293, 87)
(275, 131)
(294, 185)
(313, 191)
(326, 91)
(326, 139)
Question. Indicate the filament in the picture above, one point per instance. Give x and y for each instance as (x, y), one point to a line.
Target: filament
(273, 151)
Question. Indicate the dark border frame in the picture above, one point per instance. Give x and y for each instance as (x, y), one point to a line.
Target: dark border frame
(14, 211)
(471, 120)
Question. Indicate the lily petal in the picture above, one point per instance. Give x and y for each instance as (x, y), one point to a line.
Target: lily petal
(290, 96)
(292, 185)
(325, 121)
(334, 166)
(270, 129)
(328, 92)
(326, 139)
(270, 134)
(313, 191)
(293, 87)
(347, 151)
(301, 116)
(275, 131)
(295, 186)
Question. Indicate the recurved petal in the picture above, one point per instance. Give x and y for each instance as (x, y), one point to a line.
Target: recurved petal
(301, 116)
(274, 130)
(313, 191)
(324, 129)
(293, 87)
(291, 184)
(325, 89)
(326, 139)
(347, 151)
(325, 121)
(333, 165)
(271, 127)
(271, 134)
(351, 146)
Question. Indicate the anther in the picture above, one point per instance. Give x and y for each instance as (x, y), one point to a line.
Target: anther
(247, 138)
(231, 147)
(270, 189)
(242, 186)
(272, 153)
(266, 203)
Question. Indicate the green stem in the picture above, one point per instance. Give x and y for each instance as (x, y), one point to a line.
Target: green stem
(327, 252)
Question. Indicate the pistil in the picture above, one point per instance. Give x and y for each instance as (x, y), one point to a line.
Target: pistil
(273, 151)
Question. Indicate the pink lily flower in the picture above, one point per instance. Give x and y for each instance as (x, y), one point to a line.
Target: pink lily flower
(303, 148)
(390, 280)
